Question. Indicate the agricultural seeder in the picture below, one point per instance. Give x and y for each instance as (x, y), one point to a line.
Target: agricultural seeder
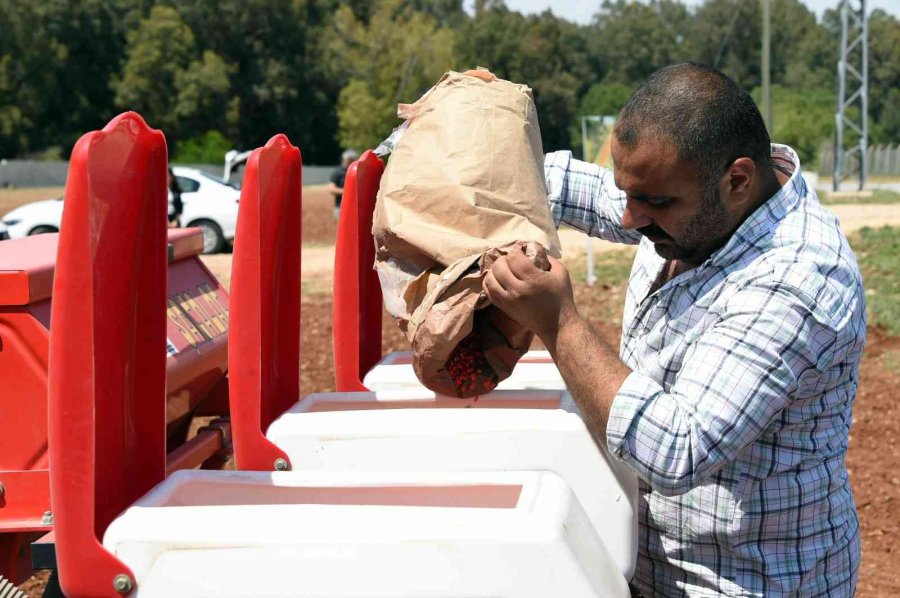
(379, 489)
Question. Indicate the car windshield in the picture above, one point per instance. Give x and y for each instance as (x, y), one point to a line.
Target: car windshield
(211, 177)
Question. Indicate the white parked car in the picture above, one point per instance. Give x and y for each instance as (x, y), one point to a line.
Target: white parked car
(209, 204)
(4, 233)
(34, 218)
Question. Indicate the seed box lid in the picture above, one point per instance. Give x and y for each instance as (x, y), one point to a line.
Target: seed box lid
(26, 269)
(27, 264)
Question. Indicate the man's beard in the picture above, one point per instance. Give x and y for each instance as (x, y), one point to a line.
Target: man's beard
(707, 230)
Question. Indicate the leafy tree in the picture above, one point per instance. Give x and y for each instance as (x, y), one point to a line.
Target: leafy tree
(447, 13)
(205, 149)
(159, 52)
(554, 62)
(14, 124)
(202, 93)
(802, 119)
(365, 120)
(547, 53)
(169, 81)
(884, 76)
(56, 59)
(602, 99)
(395, 57)
(605, 99)
(799, 46)
(633, 39)
(277, 68)
(812, 62)
(726, 34)
(889, 118)
(493, 39)
(212, 72)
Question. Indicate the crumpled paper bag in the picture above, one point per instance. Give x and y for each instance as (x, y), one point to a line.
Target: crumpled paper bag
(464, 185)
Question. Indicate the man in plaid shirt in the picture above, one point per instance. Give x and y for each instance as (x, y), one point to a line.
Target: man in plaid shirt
(744, 323)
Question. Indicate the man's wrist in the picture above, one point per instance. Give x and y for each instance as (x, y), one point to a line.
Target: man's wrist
(567, 319)
(568, 315)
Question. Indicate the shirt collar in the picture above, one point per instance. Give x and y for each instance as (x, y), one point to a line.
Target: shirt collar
(770, 213)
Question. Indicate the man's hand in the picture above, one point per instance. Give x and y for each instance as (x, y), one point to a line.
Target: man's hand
(543, 302)
(539, 300)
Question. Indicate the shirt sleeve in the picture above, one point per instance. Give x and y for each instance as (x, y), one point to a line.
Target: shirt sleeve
(767, 349)
(585, 197)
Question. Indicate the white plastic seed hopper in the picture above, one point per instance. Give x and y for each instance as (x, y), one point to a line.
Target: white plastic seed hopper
(259, 534)
(397, 430)
(414, 431)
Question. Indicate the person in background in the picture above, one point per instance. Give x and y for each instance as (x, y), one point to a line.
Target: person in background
(336, 185)
(176, 206)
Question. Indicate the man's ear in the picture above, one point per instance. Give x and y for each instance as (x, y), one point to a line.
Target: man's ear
(735, 186)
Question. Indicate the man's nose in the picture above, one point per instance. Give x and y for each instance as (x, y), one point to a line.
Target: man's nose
(634, 217)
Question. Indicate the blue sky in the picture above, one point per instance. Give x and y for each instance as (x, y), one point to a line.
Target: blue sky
(581, 11)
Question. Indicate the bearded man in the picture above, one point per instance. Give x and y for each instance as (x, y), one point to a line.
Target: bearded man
(731, 393)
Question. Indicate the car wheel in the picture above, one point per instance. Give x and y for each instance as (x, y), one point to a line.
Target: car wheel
(43, 229)
(213, 239)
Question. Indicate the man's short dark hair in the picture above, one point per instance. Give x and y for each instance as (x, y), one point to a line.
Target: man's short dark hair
(708, 117)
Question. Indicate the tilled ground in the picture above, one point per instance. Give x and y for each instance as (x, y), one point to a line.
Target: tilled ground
(319, 225)
(874, 454)
(874, 464)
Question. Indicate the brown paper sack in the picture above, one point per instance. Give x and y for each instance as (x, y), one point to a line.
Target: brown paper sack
(464, 185)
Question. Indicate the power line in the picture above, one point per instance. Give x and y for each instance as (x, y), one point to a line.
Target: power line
(737, 13)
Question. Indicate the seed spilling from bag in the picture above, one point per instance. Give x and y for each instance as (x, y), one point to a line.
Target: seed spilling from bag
(470, 371)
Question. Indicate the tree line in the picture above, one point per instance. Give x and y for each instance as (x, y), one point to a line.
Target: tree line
(217, 74)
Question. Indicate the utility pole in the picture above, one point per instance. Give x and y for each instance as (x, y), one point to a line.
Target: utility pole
(853, 85)
(767, 64)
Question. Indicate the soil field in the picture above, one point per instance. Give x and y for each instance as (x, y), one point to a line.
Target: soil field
(874, 455)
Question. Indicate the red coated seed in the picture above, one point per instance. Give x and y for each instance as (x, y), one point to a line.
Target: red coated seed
(468, 367)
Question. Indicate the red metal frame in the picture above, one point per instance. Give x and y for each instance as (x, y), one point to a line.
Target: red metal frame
(197, 308)
(24, 475)
(264, 316)
(107, 373)
(194, 374)
(208, 449)
(357, 304)
(26, 281)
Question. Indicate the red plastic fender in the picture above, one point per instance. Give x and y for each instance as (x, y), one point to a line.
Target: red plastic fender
(264, 315)
(357, 303)
(107, 358)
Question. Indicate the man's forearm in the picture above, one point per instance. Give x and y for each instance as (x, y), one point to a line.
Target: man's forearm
(543, 301)
(591, 369)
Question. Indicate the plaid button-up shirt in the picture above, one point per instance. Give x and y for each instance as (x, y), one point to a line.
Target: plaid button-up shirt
(737, 413)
